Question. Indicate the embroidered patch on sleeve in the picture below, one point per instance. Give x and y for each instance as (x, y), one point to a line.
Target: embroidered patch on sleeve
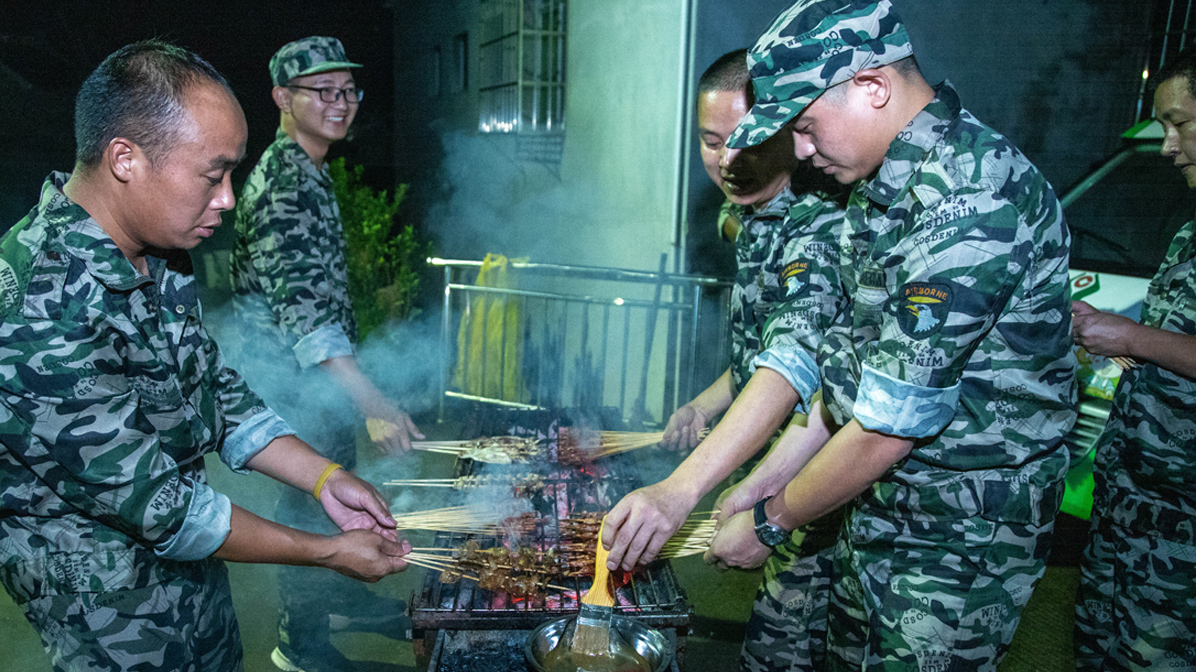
(795, 277)
(923, 308)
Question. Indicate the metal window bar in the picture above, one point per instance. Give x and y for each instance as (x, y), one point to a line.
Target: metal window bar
(521, 73)
(568, 349)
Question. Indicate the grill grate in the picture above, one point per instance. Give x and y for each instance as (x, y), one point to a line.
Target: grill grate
(652, 594)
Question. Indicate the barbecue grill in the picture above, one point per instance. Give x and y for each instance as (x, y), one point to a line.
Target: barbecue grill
(452, 619)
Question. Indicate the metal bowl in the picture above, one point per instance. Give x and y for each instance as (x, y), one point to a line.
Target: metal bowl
(647, 642)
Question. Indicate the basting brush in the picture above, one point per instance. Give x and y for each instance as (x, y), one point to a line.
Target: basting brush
(591, 636)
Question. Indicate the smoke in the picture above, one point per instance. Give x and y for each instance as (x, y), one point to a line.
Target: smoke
(403, 360)
(515, 207)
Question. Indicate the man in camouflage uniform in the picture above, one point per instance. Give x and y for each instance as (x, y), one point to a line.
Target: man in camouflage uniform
(757, 191)
(296, 324)
(111, 393)
(954, 254)
(1136, 607)
(784, 297)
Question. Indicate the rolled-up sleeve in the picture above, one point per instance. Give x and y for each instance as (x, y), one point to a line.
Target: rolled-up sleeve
(897, 408)
(957, 274)
(811, 297)
(204, 529)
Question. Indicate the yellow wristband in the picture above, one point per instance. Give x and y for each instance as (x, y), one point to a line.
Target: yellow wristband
(324, 477)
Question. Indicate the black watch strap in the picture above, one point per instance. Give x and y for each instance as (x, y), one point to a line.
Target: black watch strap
(769, 534)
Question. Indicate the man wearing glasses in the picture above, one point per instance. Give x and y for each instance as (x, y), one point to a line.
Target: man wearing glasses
(296, 329)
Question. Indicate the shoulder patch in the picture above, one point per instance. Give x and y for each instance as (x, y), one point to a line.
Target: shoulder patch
(795, 277)
(923, 308)
(10, 289)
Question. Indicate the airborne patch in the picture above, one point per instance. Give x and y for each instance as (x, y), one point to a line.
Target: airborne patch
(922, 308)
(795, 277)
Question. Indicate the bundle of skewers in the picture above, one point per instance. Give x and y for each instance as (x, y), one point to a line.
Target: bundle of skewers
(527, 570)
(471, 520)
(578, 446)
(492, 449)
(579, 534)
(522, 572)
(521, 485)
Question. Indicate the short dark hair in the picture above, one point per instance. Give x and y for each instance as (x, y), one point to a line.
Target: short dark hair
(728, 73)
(1182, 65)
(138, 93)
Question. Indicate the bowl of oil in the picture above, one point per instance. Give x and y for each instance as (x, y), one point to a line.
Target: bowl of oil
(634, 648)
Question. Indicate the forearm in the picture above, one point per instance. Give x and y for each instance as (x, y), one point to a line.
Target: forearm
(289, 460)
(255, 539)
(790, 453)
(1170, 350)
(350, 379)
(851, 462)
(755, 415)
(716, 398)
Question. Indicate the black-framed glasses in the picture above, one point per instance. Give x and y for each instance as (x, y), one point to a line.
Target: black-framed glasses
(331, 94)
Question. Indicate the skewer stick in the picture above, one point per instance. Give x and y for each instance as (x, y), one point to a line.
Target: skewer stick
(440, 566)
(1125, 363)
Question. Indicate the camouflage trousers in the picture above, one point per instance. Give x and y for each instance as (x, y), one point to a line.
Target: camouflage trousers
(787, 628)
(933, 594)
(185, 625)
(1136, 607)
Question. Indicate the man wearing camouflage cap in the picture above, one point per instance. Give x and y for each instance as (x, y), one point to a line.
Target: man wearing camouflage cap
(296, 329)
(785, 296)
(951, 374)
(1136, 605)
(112, 393)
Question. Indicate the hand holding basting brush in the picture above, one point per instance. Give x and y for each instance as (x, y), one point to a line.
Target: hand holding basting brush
(591, 637)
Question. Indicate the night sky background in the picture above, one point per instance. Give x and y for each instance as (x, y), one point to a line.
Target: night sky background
(48, 48)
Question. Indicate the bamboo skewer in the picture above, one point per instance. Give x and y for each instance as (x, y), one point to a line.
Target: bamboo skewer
(437, 565)
(1125, 363)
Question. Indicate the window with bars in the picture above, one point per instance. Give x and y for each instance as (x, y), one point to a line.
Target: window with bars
(521, 66)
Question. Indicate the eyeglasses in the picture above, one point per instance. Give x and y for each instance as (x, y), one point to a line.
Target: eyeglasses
(331, 94)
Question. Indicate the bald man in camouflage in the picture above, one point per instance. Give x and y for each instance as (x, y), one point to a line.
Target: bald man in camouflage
(112, 393)
(951, 374)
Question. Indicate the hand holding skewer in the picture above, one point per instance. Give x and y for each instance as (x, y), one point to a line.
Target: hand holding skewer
(735, 544)
(681, 433)
(353, 504)
(1103, 333)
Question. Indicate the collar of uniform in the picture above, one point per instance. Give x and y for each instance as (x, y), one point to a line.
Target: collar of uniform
(778, 205)
(909, 151)
(70, 230)
(295, 153)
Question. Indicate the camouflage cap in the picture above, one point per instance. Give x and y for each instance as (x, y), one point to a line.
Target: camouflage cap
(810, 47)
(308, 56)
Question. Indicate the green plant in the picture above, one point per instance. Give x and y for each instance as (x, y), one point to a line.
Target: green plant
(385, 259)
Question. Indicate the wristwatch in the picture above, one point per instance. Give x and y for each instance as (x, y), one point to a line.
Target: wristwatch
(770, 534)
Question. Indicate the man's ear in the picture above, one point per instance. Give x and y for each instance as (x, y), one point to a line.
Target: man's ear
(282, 98)
(123, 159)
(877, 85)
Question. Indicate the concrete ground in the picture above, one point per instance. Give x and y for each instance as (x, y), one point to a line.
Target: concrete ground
(721, 602)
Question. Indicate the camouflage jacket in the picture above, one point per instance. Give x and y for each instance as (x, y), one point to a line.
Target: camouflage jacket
(786, 289)
(955, 257)
(111, 393)
(289, 275)
(1146, 452)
